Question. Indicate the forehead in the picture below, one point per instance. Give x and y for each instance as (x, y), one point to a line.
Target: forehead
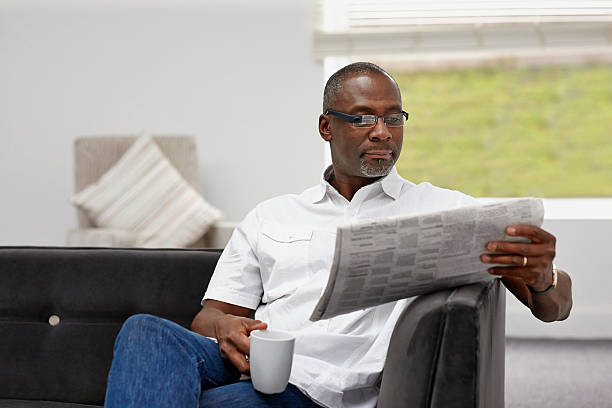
(375, 91)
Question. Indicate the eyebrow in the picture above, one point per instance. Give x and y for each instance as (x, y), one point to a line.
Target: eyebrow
(369, 109)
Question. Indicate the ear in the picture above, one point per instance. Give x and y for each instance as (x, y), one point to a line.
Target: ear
(325, 128)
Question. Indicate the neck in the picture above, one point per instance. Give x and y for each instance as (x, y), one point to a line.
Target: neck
(347, 186)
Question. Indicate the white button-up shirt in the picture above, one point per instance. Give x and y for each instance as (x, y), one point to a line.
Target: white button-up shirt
(278, 261)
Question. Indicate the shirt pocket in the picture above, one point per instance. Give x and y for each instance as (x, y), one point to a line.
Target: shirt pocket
(283, 257)
(321, 253)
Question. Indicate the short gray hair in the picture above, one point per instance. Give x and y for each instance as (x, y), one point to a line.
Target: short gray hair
(334, 83)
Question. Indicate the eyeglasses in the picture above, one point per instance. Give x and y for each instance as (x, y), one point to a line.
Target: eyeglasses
(368, 121)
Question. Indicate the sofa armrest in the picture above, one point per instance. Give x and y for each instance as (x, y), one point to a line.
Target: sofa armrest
(447, 350)
(61, 309)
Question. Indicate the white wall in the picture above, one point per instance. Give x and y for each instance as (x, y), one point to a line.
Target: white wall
(583, 249)
(238, 75)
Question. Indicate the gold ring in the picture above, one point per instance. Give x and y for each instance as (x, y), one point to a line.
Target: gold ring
(524, 261)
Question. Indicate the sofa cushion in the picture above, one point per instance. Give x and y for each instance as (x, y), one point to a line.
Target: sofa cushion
(61, 309)
(5, 403)
(145, 194)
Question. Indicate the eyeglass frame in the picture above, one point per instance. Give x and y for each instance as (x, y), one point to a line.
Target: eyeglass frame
(352, 118)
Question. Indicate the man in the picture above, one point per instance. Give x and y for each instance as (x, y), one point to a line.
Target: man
(276, 265)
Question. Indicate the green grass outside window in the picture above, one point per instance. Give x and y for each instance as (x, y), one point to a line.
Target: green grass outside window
(543, 132)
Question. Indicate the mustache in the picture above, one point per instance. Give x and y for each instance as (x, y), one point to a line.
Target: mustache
(392, 148)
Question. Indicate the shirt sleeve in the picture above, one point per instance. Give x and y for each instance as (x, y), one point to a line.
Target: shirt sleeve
(236, 278)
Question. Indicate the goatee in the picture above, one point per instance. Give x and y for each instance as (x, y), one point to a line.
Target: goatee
(381, 168)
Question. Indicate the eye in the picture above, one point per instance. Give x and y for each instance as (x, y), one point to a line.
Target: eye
(364, 120)
(393, 119)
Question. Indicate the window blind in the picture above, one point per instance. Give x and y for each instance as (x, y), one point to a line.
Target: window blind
(387, 27)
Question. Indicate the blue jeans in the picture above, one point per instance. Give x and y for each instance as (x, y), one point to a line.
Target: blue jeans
(158, 363)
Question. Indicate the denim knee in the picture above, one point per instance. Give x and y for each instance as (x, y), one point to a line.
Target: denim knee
(152, 366)
(138, 329)
(140, 322)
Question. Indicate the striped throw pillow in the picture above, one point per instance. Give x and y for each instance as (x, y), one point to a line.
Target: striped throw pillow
(145, 194)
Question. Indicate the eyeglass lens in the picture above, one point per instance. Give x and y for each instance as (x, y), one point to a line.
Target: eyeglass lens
(392, 120)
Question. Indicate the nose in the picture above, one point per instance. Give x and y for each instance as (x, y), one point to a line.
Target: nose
(380, 131)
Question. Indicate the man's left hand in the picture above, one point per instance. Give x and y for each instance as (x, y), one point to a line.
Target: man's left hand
(529, 261)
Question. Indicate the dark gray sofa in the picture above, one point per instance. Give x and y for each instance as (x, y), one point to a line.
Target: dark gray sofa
(447, 349)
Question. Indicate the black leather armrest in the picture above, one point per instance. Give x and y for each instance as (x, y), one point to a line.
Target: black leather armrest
(447, 350)
(91, 291)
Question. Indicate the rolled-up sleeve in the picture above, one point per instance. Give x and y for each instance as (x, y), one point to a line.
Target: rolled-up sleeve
(236, 278)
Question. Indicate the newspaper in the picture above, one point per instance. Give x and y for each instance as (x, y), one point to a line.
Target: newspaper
(383, 260)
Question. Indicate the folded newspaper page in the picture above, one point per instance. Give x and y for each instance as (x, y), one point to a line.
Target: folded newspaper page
(383, 260)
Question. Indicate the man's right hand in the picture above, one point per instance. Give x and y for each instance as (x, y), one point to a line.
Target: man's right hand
(232, 333)
(231, 326)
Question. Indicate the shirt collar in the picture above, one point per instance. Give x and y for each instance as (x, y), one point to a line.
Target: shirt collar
(391, 184)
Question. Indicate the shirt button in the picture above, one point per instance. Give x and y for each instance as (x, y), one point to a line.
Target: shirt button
(54, 320)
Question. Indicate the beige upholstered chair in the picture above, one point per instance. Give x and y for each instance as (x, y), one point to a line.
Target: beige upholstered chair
(94, 155)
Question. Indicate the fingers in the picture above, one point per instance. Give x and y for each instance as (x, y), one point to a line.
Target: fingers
(529, 261)
(534, 277)
(520, 248)
(518, 260)
(535, 259)
(242, 345)
(511, 271)
(234, 343)
(241, 339)
(507, 271)
(235, 357)
(542, 245)
(256, 325)
(533, 271)
(536, 234)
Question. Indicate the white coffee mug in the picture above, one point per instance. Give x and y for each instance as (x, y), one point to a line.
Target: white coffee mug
(271, 357)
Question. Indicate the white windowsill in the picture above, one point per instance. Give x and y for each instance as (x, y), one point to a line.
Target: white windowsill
(572, 208)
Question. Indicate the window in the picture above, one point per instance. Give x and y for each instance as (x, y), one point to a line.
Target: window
(541, 131)
(501, 100)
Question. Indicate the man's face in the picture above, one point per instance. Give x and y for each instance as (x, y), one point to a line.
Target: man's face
(364, 152)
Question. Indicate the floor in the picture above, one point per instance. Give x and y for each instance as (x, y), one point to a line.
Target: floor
(547, 373)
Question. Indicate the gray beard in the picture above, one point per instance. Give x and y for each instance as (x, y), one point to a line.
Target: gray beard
(379, 170)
